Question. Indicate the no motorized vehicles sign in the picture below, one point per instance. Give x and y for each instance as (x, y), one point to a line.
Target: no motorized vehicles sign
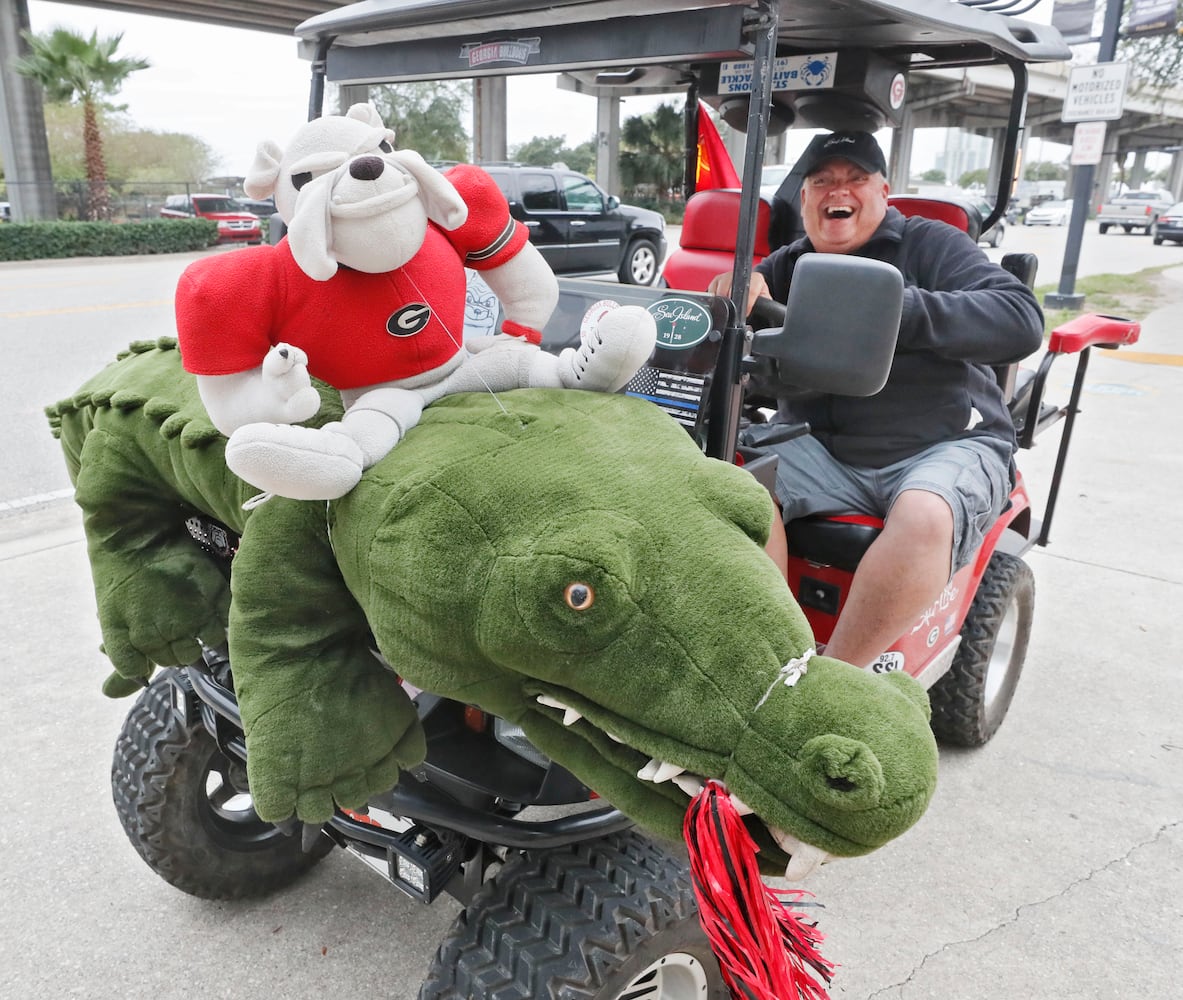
(1095, 93)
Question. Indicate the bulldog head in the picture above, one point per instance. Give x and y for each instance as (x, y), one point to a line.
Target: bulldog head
(349, 197)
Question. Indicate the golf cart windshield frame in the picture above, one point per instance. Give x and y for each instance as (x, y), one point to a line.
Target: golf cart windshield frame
(664, 46)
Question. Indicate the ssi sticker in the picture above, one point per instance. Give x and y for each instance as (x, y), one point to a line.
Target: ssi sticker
(681, 323)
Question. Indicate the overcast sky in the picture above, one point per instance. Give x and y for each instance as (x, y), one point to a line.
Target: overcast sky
(233, 87)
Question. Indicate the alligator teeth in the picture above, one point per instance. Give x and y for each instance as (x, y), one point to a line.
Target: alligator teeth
(570, 715)
(658, 771)
(691, 784)
(741, 807)
(804, 859)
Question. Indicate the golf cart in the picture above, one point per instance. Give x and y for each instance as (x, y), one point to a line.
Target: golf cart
(458, 824)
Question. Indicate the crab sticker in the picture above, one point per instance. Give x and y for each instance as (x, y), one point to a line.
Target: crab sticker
(816, 71)
(788, 73)
(681, 323)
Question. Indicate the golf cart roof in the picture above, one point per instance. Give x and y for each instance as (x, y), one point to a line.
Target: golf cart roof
(653, 44)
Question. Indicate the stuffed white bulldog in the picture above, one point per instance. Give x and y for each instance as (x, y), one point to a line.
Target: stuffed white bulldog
(367, 292)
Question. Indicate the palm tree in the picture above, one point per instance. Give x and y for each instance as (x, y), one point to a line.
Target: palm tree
(71, 67)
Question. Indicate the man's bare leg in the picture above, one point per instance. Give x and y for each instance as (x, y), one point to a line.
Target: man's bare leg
(902, 573)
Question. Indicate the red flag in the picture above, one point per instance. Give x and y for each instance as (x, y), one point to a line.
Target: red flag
(714, 168)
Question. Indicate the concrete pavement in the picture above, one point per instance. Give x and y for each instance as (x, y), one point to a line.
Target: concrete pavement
(1048, 867)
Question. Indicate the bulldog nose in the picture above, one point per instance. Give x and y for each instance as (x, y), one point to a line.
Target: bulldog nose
(366, 168)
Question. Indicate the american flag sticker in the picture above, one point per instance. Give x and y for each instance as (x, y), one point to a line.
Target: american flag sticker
(679, 394)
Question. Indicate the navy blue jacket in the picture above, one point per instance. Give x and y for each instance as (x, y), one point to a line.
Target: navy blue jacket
(962, 313)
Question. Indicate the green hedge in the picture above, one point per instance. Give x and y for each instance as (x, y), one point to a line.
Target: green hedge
(40, 240)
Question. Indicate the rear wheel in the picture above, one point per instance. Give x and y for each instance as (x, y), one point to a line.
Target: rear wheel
(971, 700)
(1103, 228)
(640, 263)
(186, 810)
(607, 919)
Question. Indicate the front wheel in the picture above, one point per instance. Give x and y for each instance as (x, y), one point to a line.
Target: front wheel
(971, 700)
(640, 263)
(607, 919)
(185, 807)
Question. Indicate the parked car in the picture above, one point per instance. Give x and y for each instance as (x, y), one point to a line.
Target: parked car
(578, 228)
(5, 212)
(264, 208)
(993, 235)
(1050, 213)
(772, 175)
(1133, 210)
(1169, 225)
(234, 224)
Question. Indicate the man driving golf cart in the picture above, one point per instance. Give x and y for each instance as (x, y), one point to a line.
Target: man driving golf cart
(932, 452)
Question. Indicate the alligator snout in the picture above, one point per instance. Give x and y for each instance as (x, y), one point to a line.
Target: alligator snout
(366, 168)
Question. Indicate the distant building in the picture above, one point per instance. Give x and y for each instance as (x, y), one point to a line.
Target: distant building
(963, 152)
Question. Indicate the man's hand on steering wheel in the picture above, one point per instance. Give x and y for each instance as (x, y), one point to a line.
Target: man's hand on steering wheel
(763, 310)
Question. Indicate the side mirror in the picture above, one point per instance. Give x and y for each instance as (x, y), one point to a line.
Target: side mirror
(840, 328)
(613, 203)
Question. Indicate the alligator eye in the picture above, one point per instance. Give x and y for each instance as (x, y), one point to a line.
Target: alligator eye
(579, 596)
(300, 179)
(385, 147)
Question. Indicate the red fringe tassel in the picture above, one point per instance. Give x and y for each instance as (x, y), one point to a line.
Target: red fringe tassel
(765, 950)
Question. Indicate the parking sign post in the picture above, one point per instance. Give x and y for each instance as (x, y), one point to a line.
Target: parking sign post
(1098, 95)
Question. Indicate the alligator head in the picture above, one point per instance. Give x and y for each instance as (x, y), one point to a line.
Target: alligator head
(575, 565)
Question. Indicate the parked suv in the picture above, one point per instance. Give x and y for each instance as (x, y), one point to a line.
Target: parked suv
(234, 225)
(578, 228)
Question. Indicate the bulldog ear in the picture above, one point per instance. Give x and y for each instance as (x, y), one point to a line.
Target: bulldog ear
(263, 174)
(310, 230)
(366, 113)
(440, 199)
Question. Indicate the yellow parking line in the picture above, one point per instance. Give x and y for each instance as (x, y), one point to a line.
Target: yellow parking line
(1145, 357)
(146, 304)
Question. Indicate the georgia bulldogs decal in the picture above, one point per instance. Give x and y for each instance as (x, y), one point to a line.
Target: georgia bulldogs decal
(409, 320)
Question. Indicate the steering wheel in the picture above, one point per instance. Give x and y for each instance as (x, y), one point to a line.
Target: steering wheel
(766, 312)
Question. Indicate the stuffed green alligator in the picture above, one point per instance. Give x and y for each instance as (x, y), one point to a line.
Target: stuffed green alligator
(569, 561)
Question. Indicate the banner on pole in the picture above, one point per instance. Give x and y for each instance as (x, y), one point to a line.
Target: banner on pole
(1074, 18)
(1151, 17)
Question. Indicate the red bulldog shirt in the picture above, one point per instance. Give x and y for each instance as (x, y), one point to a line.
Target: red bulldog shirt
(357, 329)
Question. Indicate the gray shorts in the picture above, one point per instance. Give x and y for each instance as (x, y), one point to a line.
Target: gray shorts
(971, 475)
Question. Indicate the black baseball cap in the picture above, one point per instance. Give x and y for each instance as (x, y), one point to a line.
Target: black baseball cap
(858, 147)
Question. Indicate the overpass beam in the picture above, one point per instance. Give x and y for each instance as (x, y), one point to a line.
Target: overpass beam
(608, 142)
(899, 166)
(488, 113)
(23, 145)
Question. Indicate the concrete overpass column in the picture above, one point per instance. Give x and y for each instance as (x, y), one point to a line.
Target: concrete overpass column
(349, 94)
(608, 142)
(1104, 175)
(899, 164)
(997, 137)
(1175, 175)
(23, 145)
(488, 113)
(1138, 172)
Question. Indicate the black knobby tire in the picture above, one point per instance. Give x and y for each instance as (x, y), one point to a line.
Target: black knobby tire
(971, 700)
(1103, 228)
(609, 918)
(640, 264)
(176, 796)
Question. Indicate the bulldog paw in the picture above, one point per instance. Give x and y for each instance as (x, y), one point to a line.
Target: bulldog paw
(285, 377)
(301, 463)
